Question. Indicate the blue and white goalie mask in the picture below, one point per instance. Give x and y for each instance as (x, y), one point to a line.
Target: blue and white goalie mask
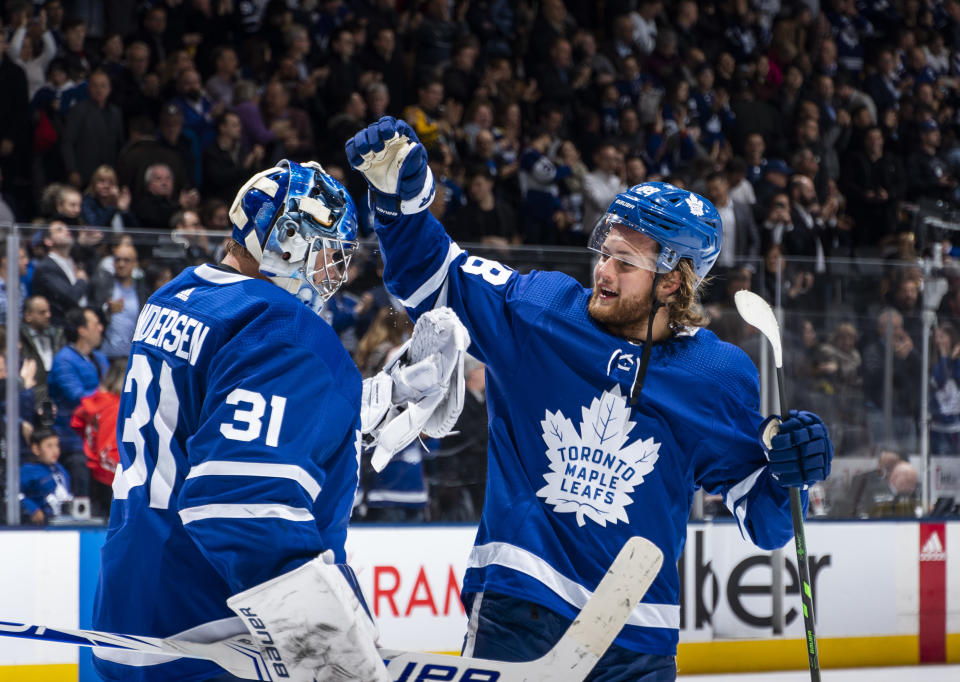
(301, 226)
(684, 224)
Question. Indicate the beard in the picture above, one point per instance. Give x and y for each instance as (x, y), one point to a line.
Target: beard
(626, 317)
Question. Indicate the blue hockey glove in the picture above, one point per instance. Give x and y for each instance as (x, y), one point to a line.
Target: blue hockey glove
(394, 164)
(799, 449)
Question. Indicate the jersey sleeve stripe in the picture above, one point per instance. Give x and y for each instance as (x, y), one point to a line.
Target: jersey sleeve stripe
(575, 594)
(736, 498)
(434, 281)
(244, 511)
(266, 470)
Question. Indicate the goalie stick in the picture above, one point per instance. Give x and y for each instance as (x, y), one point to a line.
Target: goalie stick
(757, 312)
(572, 658)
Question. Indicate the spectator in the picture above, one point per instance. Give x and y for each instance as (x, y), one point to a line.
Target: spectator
(811, 235)
(874, 184)
(457, 469)
(190, 236)
(484, 219)
(601, 185)
(21, 287)
(77, 371)
(928, 175)
(156, 204)
(40, 342)
(142, 151)
(44, 483)
(32, 47)
(740, 234)
(775, 177)
(221, 84)
(545, 219)
(136, 89)
(172, 136)
(119, 298)
(903, 400)
(95, 420)
(291, 125)
(105, 203)
(225, 165)
(73, 49)
(197, 109)
(93, 134)
(945, 392)
(382, 56)
(57, 277)
(14, 122)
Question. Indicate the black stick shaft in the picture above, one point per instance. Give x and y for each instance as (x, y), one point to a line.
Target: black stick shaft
(803, 565)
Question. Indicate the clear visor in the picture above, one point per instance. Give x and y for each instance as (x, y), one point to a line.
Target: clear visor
(613, 237)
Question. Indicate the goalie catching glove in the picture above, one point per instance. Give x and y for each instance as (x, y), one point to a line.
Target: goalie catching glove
(312, 624)
(420, 390)
(394, 164)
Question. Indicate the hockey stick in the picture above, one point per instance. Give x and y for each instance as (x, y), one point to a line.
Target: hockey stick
(582, 645)
(757, 312)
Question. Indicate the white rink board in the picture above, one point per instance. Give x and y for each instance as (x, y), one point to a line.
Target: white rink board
(867, 579)
(418, 571)
(39, 584)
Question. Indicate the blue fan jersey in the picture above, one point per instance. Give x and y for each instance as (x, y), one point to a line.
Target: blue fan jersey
(238, 435)
(574, 469)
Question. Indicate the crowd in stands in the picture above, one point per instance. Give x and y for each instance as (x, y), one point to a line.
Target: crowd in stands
(822, 131)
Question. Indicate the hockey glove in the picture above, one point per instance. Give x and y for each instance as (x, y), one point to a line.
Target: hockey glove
(394, 164)
(312, 624)
(419, 391)
(798, 449)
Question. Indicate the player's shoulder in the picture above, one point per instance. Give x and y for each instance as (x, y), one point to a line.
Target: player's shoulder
(702, 354)
(552, 290)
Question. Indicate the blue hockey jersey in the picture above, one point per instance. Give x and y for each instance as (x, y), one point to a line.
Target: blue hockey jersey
(238, 435)
(574, 470)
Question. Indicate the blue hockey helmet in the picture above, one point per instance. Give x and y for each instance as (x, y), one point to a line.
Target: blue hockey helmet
(300, 225)
(684, 224)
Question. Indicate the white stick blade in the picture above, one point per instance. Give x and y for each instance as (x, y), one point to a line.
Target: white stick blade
(757, 312)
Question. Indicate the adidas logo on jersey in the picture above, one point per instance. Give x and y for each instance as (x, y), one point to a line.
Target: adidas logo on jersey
(932, 549)
(185, 294)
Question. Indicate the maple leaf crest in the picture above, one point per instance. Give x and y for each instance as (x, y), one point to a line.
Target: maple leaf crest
(593, 471)
(696, 206)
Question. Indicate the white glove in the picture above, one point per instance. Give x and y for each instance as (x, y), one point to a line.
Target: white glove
(311, 625)
(394, 163)
(420, 390)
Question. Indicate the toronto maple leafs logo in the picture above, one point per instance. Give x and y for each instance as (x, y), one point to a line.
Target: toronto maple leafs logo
(594, 472)
(696, 206)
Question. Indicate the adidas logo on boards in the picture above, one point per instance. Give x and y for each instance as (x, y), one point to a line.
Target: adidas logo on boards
(932, 549)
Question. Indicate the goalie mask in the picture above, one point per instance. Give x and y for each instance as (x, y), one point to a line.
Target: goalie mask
(301, 226)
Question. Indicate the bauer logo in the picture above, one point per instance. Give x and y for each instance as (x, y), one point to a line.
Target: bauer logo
(593, 471)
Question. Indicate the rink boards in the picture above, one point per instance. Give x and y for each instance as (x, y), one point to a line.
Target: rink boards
(884, 595)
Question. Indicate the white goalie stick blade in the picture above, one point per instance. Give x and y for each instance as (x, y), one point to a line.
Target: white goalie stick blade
(571, 659)
(757, 312)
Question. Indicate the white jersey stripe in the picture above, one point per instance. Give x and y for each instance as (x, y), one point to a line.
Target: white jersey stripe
(244, 511)
(217, 276)
(736, 499)
(290, 471)
(435, 280)
(575, 594)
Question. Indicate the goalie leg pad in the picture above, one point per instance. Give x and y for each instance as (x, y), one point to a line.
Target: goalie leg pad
(312, 622)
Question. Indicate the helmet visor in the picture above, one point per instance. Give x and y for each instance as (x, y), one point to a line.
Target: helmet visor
(614, 237)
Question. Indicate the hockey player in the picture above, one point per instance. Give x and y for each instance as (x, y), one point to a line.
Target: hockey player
(239, 435)
(607, 408)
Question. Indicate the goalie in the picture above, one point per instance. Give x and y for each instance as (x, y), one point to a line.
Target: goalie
(239, 433)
